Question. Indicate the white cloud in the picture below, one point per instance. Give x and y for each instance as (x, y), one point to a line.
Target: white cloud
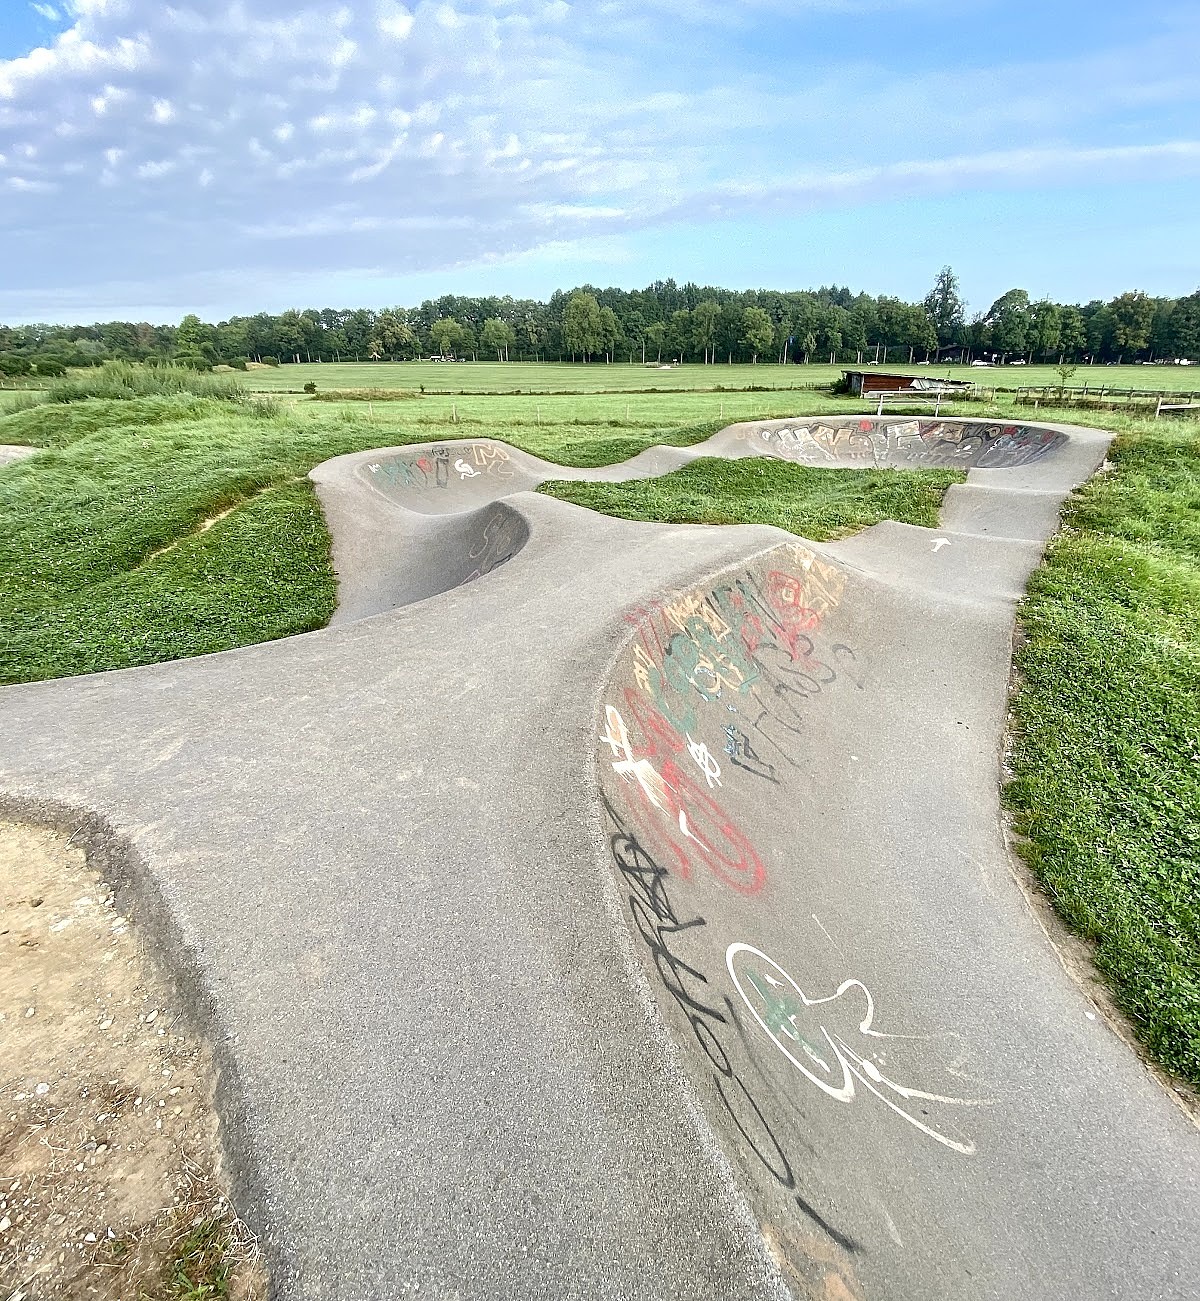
(152, 171)
(394, 21)
(926, 175)
(71, 57)
(487, 128)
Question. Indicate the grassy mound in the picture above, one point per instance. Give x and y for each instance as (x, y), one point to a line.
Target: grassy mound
(819, 504)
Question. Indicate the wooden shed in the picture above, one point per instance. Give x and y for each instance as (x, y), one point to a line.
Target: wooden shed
(859, 382)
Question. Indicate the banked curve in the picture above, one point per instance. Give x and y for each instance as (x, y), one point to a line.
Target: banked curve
(414, 521)
(798, 782)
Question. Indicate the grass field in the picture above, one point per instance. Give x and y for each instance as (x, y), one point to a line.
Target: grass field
(533, 377)
(105, 561)
(564, 377)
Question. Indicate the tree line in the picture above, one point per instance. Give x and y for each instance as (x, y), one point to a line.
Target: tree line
(665, 322)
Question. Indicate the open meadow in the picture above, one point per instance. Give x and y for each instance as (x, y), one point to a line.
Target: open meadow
(462, 377)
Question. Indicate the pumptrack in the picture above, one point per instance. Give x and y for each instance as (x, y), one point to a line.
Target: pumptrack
(615, 910)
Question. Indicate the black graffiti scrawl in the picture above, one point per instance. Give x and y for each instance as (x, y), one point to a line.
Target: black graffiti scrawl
(705, 716)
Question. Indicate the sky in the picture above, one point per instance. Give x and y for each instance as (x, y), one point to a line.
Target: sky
(223, 157)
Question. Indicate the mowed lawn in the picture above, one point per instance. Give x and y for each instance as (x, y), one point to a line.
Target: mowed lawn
(534, 377)
(818, 504)
(597, 377)
(493, 414)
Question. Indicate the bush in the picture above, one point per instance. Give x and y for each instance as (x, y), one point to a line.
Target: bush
(270, 361)
(49, 366)
(238, 363)
(310, 387)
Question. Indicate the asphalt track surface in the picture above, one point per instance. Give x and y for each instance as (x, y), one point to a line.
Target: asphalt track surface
(614, 910)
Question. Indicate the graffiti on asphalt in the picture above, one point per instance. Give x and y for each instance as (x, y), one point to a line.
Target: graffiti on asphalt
(502, 536)
(707, 714)
(908, 442)
(660, 927)
(800, 1027)
(431, 467)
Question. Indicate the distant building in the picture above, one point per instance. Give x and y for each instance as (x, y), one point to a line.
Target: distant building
(860, 382)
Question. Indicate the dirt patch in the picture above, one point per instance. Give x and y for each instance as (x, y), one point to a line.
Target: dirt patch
(110, 1170)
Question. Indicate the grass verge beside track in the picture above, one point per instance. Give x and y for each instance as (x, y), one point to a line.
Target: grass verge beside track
(817, 504)
(1106, 731)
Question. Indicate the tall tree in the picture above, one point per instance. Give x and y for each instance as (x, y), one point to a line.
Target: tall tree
(1186, 327)
(946, 308)
(195, 339)
(679, 334)
(1045, 328)
(757, 331)
(1101, 331)
(448, 336)
(919, 332)
(392, 336)
(610, 331)
(704, 327)
(499, 335)
(1072, 332)
(1162, 330)
(1132, 316)
(1007, 321)
(581, 325)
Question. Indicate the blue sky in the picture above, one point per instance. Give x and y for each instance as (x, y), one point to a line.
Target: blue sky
(226, 156)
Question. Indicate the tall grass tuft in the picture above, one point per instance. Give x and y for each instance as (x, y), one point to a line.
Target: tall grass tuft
(55, 425)
(122, 381)
(21, 400)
